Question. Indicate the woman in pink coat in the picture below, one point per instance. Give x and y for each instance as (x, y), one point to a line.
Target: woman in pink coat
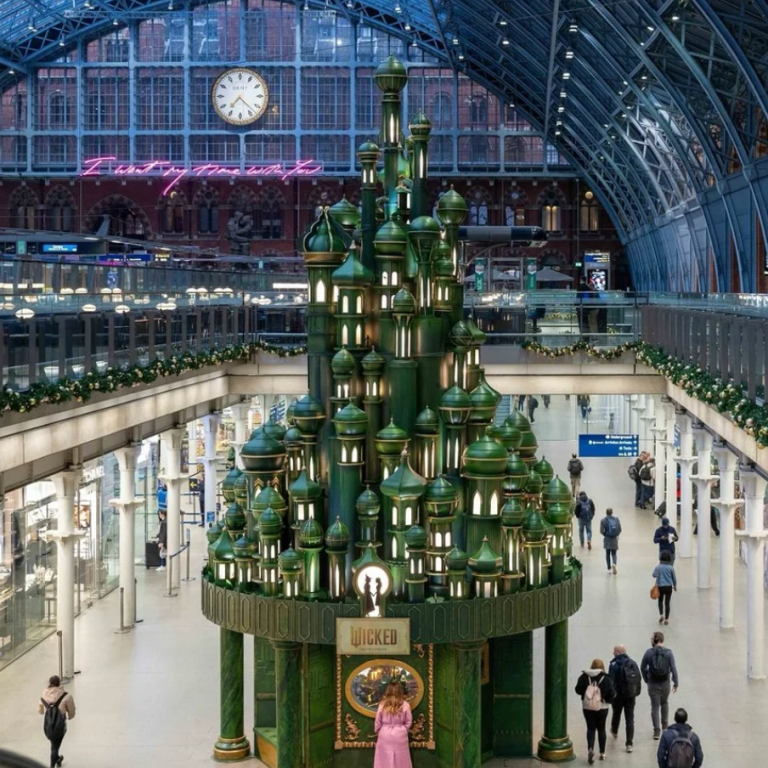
(393, 720)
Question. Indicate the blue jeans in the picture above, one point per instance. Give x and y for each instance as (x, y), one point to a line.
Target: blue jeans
(585, 525)
(610, 553)
(647, 492)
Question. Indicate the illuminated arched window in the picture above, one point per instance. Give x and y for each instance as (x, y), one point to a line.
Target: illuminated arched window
(479, 201)
(173, 213)
(551, 202)
(320, 292)
(477, 503)
(589, 214)
(494, 503)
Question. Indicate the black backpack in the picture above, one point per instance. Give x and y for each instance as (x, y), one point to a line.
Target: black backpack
(630, 680)
(645, 472)
(658, 666)
(632, 472)
(681, 753)
(54, 721)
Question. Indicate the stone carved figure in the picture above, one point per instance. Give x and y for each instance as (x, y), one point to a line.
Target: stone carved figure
(240, 233)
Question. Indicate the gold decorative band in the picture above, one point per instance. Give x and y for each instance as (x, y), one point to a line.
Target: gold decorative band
(558, 754)
(231, 755)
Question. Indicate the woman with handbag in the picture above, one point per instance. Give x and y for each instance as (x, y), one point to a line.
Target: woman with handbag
(666, 583)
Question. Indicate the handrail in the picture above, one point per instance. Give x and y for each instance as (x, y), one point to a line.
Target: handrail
(170, 559)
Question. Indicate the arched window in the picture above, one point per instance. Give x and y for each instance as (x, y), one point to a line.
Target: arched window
(589, 213)
(58, 110)
(551, 202)
(23, 205)
(173, 213)
(206, 202)
(268, 215)
(477, 503)
(320, 292)
(441, 109)
(60, 207)
(479, 201)
(478, 110)
(20, 110)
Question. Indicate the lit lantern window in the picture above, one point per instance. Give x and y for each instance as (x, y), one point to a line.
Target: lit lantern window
(494, 503)
(477, 503)
(394, 277)
(359, 305)
(385, 278)
(320, 292)
(384, 300)
(345, 305)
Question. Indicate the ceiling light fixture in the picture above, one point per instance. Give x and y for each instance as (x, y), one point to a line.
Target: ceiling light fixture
(505, 41)
(503, 23)
(461, 57)
(566, 75)
(649, 28)
(557, 133)
(408, 27)
(561, 109)
(569, 54)
(455, 40)
(573, 28)
(675, 18)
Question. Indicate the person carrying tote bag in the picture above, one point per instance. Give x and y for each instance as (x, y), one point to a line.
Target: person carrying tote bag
(666, 583)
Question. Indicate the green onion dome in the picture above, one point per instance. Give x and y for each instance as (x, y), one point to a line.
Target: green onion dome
(269, 498)
(443, 266)
(440, 497)
(478, 336)
(512, 513)
(391, 76)
(460, 335)
(456, 560)
(391, 239)
(352, 273)
(373, 363)
(403, 482)
(391, 440)
(345, 214)
(485, 560)
(452, 208)
(222, 548)
(534, 526)
(424, 227)
(289, 412)
(243, 547)
(304, 489)
(308, 415)
(416, 537)
(535, 483)
(290, 561)
(443, 251)
(556, 492)
(270, 523)
(262, 453)
(350, 421)
(507, 435)
(485, 456)
(528, 446)
(337, 537)
(228, 484)
(234, 517)
(292, 438)
(455, 406)
(427, 422)
(420, 125)
(518, 421)
(484, 400)
(275, 430)
(368, 503)
(324, 242)
(545, 469)
(517, 474)
(367, 148)
(342, 363)
(213, 533)
(310, 534)
(403, 303)
(241, 491)
(559, 512)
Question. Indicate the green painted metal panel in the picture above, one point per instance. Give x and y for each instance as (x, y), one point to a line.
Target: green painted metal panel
(512, 678)
(320, 705)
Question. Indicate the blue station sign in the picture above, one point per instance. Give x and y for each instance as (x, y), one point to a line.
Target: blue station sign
(609, 446)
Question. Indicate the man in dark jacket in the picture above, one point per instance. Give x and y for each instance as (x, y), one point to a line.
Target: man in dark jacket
(575, 468)
(638, 465)
(687, 742)
(657, 666)
(584, 511)
(626, 680)
(665, 537)
(162, 539)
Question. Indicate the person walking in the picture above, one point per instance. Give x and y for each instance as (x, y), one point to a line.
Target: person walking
(584, 510)
(666, 582)
(162, 538)
(393, 720)
(680, 745)
(610, 530)
(627, 680)
(666, 536)
(657, 666)
(533, 404)
(575, 468)
(583, 402)
(57, 706)
(162, 496)
(596, 691)
(520, 402)
(647, 481)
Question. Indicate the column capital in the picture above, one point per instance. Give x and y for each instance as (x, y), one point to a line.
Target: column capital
(64, 537)
(127, 456)
(68, 481)
(172, 437)
(126, 506)
(240, 410)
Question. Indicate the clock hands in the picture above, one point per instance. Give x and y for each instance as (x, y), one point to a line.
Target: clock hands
(240, 98)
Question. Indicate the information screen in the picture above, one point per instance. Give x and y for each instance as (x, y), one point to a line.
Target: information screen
(59, 247)
(609, 446)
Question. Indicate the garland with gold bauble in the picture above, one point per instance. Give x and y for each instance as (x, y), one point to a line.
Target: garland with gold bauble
(113, 379)
(725, 396)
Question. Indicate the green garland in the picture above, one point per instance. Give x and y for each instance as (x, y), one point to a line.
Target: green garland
(113, 379)
(581, 346)
(725, 396)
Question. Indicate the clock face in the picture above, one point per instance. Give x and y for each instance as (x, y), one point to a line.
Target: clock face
(240, 96)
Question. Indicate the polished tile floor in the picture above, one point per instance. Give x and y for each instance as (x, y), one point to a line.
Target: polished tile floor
(150, 698)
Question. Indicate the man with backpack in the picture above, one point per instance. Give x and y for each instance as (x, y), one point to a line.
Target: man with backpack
(575, 468)
(680, 747)
(584, 511)
(57, 706)
(657, 666)
(610, 530)
(647, 481)
(634, 476)
(627, 681)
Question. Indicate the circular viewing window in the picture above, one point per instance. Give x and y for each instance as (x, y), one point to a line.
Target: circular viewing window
(366, 684)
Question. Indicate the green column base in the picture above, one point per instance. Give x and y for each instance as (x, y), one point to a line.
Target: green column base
(231, 750)
(556, 750)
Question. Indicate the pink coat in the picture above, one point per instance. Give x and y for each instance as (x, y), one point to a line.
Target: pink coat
(392, 744)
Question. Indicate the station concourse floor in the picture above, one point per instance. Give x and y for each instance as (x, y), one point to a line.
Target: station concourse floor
(150, 698)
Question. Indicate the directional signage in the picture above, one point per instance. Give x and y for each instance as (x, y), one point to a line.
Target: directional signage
(606, 446)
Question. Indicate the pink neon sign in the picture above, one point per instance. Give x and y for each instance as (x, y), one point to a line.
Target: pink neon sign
(107, 166)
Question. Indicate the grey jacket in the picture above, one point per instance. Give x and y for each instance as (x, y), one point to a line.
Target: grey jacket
(645, 665)
(609, 542)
